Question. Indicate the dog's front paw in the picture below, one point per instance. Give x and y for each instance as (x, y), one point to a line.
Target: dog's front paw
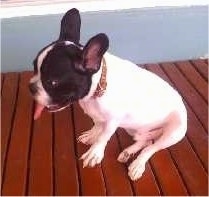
(136, 169)
(93, 156)
(88, 137)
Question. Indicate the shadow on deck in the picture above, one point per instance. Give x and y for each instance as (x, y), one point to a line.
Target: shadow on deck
(42, 157)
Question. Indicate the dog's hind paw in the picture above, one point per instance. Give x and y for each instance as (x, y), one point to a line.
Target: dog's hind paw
(136, 169)
(124, 157)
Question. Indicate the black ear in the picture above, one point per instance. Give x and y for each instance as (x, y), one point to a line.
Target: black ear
(70, 26)
(94, 51)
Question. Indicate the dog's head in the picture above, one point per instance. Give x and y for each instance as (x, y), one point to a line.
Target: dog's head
(63, 70)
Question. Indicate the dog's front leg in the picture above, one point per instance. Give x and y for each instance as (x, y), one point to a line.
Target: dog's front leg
(95, 153)
(89, 137)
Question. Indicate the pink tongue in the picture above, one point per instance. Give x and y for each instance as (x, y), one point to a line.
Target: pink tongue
(38, 110)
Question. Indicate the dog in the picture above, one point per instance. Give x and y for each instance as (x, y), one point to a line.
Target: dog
(114, 92)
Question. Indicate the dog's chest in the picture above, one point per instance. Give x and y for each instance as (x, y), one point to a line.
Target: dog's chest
(94, 110)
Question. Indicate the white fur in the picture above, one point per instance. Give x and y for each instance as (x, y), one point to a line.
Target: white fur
(42, 97)
(139, 101)
(69, 43)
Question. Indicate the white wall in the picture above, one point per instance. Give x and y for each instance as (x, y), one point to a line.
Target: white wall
(142, 35)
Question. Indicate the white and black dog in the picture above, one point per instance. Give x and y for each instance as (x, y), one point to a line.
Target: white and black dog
(114, 92)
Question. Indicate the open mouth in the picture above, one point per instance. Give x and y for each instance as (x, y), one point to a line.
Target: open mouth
(51, 108)
(56, 108)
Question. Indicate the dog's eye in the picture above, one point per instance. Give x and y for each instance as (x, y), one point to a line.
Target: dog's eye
(53, 83)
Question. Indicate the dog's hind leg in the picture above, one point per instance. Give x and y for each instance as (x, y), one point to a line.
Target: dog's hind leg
(173, 131)
(142, 139)
(131, 150)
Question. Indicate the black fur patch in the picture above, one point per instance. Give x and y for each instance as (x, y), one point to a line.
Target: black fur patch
(59, 76)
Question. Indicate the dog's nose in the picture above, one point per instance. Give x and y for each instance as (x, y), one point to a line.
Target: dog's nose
(32, 88)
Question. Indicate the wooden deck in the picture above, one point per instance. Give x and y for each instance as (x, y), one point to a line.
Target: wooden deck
(42, 157)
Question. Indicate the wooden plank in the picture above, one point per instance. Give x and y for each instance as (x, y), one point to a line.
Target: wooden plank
(8, 99)
(167, 174)
(40, 181)
(202, 67)
(146, 185)
(15, 179)
(115, 173)
(197, 136)
(185, 157)
(87, 175)
(195, 131)
(66, 177)
(188, 92)
(194, 78)
(195, 177)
